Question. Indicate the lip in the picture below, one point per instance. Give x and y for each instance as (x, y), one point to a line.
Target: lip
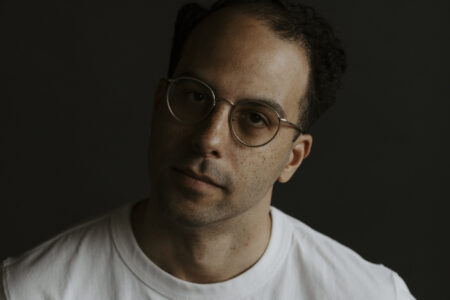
(198, 177)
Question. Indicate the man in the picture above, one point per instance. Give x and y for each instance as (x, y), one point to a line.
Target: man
(247, 79)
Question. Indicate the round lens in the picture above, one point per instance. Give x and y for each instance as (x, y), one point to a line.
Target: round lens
(254, 123)
(189, 100)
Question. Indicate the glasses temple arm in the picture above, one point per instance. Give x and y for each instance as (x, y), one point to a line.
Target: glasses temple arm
(292, 125)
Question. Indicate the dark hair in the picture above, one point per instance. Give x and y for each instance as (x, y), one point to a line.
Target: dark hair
(291, 21)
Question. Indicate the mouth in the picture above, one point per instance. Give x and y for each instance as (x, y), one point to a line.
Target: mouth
(192, 178)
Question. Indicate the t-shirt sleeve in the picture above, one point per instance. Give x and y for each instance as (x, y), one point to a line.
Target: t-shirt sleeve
(2, 284)
(401, 289)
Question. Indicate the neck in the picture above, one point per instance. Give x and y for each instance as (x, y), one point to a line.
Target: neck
(205, 254)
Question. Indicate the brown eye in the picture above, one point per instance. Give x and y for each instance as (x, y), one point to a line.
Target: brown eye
(194, 97)
(253, 118)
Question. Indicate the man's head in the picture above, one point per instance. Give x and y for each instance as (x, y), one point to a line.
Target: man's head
(289, 20)
(202, 174)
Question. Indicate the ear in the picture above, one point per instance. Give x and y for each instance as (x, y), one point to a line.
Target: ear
(299, 151)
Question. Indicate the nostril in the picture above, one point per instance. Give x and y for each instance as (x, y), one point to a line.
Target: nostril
(206, 150)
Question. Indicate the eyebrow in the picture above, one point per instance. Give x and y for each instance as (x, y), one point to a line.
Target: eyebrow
(272, 103)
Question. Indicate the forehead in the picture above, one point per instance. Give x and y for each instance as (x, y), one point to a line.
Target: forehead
(242, 58)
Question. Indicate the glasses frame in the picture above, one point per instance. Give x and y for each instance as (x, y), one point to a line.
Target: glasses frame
(215, 99)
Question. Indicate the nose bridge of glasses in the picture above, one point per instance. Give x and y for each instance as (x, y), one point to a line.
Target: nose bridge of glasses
(214, 129)
(226, 100)
(216, 109)
(219, 113)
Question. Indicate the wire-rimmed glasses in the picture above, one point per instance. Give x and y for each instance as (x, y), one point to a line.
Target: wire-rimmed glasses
(253, 123)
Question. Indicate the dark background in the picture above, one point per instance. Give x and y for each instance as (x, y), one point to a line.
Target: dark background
(75, 106)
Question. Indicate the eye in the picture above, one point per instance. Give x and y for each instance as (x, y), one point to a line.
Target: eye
(195, 97)
(255, 118)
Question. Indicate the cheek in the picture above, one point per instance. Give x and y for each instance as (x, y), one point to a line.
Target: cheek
(165, 132)
(259, 170)
(164, 143)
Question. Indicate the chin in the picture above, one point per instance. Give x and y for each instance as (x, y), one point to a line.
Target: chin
(191, 209)
(190, 214)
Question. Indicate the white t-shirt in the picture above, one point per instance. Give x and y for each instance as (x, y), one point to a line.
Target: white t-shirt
(101, 260)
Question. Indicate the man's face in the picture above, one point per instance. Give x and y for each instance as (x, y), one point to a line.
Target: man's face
(240, 58)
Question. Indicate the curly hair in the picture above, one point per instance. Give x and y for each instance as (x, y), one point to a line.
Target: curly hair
(292, 21)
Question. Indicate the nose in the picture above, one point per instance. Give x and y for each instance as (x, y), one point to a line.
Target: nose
(211, 135)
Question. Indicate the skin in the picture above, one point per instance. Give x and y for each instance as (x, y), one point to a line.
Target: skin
(203, 232)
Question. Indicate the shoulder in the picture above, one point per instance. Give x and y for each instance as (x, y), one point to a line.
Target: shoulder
(49, 265)
(339, 268)
(2, 288)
